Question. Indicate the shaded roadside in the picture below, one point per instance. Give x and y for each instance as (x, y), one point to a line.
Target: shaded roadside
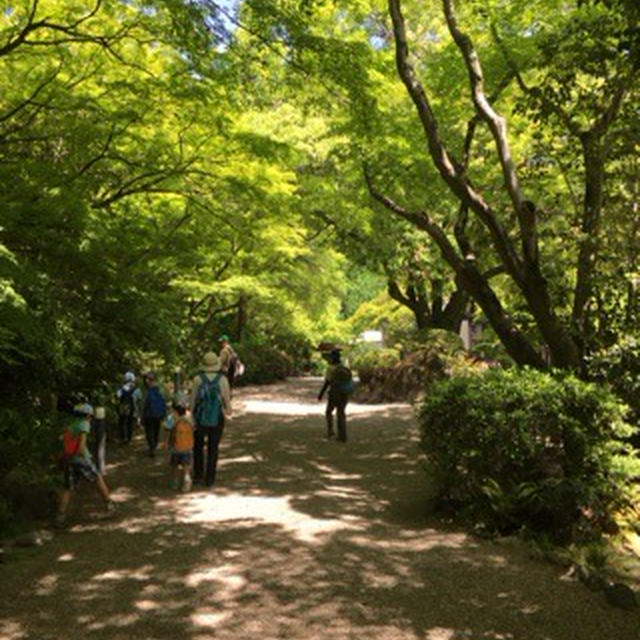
(302, 538)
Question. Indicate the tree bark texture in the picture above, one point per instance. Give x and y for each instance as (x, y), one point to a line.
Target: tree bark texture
(525, 271)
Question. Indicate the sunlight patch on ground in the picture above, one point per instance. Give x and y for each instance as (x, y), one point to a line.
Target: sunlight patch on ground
(210, 619)
(67, 557)
(11, 630)
(270, 510)
(333, 474)
(531, 609)
(440, 633)
(336, 491)
(493, 559)
(141, 574)
(281, 408)
(317, 409)
(144, 524)
(113, 621)
(223, 582)
(46, 585)
(425, 541)
(115, 465)
(240, 459)
(375, 580)
(146, 605)
(226, 573)
(124, 494)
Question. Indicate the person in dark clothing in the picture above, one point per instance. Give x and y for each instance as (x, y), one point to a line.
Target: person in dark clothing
(228, 359)
(154, 410)
(338, 382)
(126, 397)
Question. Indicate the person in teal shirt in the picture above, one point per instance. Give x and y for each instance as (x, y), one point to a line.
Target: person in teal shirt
(80, 464)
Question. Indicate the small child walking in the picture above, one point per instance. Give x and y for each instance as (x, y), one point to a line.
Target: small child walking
(179, 444)
(78, 463)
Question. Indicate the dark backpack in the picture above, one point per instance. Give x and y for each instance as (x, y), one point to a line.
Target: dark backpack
(342, 379)
(208, 406)
(125, 408)
(154, 406)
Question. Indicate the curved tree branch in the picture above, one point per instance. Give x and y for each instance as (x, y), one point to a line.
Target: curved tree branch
(470, 279)
(451, 171)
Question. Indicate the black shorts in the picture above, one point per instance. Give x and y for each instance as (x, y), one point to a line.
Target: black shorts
(77, 469)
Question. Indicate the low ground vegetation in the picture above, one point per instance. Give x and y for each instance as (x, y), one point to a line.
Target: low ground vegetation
(525, 450)
(405, 372)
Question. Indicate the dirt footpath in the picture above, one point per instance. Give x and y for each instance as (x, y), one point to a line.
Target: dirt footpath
(301, 538)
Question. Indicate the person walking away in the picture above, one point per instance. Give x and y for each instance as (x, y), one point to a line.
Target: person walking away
(154, 409)
(126, 407)
(179, 444)
(99, 439)
(210, 408)
(339, 381)
(228, 359)
(78, 464)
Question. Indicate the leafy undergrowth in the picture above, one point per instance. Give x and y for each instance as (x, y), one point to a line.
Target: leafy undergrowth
(409, 378)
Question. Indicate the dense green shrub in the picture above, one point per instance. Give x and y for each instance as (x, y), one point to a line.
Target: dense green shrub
(30, 443)
(264, 364)
(447, 343)
(522, 448)
(373, 362)
(403, 373)
(486, 346)
(619, 366)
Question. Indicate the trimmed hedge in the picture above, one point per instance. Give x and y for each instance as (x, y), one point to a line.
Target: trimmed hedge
(525, 449)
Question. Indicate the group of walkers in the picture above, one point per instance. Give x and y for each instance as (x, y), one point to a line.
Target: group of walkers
(146, 406)
(193, 425)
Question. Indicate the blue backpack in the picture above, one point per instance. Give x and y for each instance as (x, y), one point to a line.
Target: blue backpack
(342, 379)
(154, 406)
(208, 407)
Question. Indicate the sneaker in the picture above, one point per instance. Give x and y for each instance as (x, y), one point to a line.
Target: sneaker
(186, 484)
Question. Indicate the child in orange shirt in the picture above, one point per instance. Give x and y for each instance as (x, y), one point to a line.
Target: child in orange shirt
(179, 444)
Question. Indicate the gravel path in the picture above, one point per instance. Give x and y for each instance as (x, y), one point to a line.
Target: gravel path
(301, 538)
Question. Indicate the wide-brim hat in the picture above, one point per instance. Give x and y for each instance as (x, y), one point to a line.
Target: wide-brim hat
(211, 362)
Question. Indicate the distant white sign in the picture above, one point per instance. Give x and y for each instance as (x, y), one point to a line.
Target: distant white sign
(371, 335)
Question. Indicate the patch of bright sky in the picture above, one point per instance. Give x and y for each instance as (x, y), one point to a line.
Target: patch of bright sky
(227, 13)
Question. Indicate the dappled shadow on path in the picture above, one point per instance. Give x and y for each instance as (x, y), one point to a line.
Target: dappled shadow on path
(302, 538)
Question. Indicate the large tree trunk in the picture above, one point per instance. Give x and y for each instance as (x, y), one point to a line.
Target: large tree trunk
(564, 345)
(452, 173)
(592, 211)
(475, 283)
(438, 314)
(413, 299)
